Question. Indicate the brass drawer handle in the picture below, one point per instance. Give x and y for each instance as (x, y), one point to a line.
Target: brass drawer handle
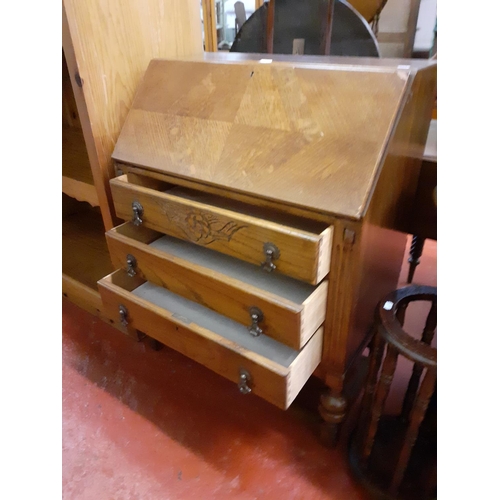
(256, 316)
(271, 252)
(245, 379)
(131, 265)
(123, 314)
(138, 212)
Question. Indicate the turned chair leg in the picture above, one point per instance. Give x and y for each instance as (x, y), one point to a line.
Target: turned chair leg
(416, 249)
(390, 453)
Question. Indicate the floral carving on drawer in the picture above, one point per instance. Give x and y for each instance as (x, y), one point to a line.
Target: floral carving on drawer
(204, 228)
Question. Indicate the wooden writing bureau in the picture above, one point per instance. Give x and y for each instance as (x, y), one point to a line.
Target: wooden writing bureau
(263, 202)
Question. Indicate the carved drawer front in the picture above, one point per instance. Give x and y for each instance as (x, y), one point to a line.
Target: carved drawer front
(278, 242)
(278, 306)
(260, 364)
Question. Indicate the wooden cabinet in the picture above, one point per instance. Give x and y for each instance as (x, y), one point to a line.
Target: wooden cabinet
(107, 46)
(264, 203)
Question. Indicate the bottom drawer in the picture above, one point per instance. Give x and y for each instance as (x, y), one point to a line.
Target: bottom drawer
(260, 364)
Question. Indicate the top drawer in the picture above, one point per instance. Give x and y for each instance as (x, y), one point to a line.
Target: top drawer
(294, 246)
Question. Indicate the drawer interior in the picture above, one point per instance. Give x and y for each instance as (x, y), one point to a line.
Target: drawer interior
(270, 215)
(290, 245)
(263, 213)
(190, 312)
(277, 284)
(283, 286)
(277, 372)
(291, 310)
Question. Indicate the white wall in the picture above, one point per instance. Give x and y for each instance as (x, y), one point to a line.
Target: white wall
(424, 36)
(394, 19)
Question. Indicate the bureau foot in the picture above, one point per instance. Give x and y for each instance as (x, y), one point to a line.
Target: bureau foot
(135, 334)
(332, 409)
(155, 345)
(329, 434)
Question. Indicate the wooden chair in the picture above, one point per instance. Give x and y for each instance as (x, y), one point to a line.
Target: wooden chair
(319, 27)
(395, 456)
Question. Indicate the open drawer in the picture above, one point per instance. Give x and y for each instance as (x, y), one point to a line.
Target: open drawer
(278, 306)
(279, 242)
(260, 365)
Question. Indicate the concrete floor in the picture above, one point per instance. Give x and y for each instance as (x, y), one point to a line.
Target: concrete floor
(145, 424)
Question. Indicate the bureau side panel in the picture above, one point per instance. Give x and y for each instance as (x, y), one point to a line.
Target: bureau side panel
(343, 281)
(392, 197)
(383, 234)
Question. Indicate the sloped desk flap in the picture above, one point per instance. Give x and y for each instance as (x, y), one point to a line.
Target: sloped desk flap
(310, 137)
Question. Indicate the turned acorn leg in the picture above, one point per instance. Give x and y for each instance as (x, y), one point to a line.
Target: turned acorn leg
(135, 334)
(416, 249)
(154, 344)
(332, 409)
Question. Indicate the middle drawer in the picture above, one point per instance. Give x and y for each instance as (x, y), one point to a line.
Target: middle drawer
(281, 307)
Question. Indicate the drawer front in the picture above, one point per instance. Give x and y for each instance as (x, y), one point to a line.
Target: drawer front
(295, 252)
(274, 371)
(285, 309)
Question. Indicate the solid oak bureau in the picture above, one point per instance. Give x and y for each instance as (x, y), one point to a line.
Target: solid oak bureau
(263, 202)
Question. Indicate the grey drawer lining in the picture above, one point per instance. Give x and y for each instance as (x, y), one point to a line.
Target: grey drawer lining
(191, 312)
(275, 283)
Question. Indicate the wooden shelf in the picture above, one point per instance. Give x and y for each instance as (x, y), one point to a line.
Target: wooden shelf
(77, 180)
(85, 256)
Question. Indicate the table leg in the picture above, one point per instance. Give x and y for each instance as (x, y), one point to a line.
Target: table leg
(416, 249)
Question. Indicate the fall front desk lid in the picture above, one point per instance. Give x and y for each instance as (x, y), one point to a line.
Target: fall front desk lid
(307, 136)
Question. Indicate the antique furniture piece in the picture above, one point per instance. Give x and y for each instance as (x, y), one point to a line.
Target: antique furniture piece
(395, 456)
(394, 22)
(214, 24)
(107, 46)
(263, 201)
(423, 218)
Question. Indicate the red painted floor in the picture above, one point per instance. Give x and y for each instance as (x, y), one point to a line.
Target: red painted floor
(144, 424)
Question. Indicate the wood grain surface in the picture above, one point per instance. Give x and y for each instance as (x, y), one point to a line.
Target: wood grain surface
(319, 62)
(252, 133)
(85, 256)
(77, 180)
(300, 136)
(109, 45)
(366, 266)
(70, 116)
(270, 380)
(209, 25)
(232, 232)
(292, 311)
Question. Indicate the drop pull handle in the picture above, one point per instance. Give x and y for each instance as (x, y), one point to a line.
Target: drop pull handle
(131, 265)
(256, 316)
(123, 314)
(271, 253)
(137, 213)
(245, 380)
